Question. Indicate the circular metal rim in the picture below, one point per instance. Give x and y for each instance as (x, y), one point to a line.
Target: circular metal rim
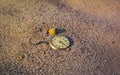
(55, 48)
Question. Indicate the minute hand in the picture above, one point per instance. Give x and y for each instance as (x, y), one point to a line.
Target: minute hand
(62, 43)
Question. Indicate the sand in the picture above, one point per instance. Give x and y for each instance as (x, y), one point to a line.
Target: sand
(92, 26)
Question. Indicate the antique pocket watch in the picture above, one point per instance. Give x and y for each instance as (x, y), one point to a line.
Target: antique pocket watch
(59, 42)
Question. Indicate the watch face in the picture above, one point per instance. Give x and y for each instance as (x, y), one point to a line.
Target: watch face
(59, 42)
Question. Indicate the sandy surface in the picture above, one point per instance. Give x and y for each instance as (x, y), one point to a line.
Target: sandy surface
(93, 26)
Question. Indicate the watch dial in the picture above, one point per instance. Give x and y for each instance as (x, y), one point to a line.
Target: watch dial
(60, 42)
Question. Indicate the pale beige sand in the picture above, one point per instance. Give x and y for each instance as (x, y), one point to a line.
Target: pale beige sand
(93, 25)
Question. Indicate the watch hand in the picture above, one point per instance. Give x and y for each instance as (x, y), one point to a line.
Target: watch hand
(62, 43)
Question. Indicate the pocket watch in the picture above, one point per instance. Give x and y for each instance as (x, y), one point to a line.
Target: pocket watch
(59, 42)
